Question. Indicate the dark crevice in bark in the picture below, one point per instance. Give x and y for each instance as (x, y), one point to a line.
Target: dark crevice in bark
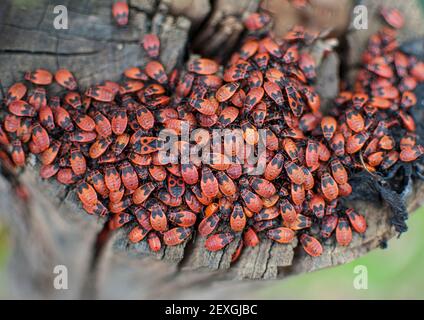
(342, 51)
(100, 241)
(148, 14)
(298, 257)
(268, 259)
(2, 91)
(68, 189)
(195, 32)
(188, 251)
(99, 244)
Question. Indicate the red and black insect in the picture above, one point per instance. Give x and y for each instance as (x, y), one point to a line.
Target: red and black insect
(137, 234)
(176, 186)
(182, 218)
(15, 93)
(176, 236)
(343, 232)
(151, 44)
(262, 187)
(147, 145)
(256, 21)
(103, 126)
(128, 175)
(328, 225)
(86, 193)
(294, 172)
(39, 77)
(145, 117)
(143, 192)
(22, 109)
(339, 172)
(63, 119)
(99, 147)
(78, 162)
(18, 154)
(203, 66)
(355, 142)
(67, 176)
(337, 144)
(37, 98)
(158, 218)
(281, 235)
(250, 238)
(253, 97)
(156, 71)
(112, 178)
(311, 154)
(24, 132)
(120, 12)
(218, 241)
(317, 206)
(208, 225)
(274, 92)
(120, 219)
(329, 187)
(45, 115)
(209, 183)
(411, 154)
(356, 220)
(40, 137)
(252, 201)
(238, 218)
(66, 79)
(287, 211)
(328, 127)
(226, 184)
(154, 242)
(311, 245)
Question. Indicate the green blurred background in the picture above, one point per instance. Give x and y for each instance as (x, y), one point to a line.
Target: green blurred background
(393, 273)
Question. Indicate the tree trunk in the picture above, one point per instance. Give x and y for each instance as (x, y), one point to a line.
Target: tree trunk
(52, 229)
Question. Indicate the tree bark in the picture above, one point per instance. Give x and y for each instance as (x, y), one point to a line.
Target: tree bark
(52, 229)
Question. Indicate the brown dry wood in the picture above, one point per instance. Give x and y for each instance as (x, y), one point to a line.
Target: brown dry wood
(53, 229)
(223, 27)
(329, 16)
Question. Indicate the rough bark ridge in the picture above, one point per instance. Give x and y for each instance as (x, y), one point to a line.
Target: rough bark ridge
(53, 229)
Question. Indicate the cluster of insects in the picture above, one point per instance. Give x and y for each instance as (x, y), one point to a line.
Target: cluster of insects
(105, 140)
(374, 120)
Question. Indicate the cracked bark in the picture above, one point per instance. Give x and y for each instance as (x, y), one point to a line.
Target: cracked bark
(53, 230)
